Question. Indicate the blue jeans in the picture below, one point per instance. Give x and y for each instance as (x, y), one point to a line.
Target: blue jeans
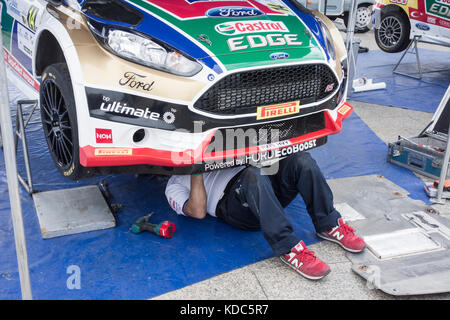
(257, 201)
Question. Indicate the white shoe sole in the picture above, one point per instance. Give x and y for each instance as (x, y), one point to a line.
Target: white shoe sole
(339, 243)
(305, 275)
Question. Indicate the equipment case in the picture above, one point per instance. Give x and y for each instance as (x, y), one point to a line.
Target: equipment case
(425, 153)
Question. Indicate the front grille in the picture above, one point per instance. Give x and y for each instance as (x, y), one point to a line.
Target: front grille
(243, 92)
(239, 138)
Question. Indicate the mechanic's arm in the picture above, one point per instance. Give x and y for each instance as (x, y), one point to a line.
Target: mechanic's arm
(195, 207)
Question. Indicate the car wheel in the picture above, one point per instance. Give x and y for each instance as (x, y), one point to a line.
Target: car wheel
(59, 121)
(393, 34)
(363, 18)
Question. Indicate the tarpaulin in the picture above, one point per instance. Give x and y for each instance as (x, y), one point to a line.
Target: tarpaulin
(401, 91)
(116, 264)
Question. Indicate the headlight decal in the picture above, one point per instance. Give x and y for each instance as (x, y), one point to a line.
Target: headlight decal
(161, 30)
(144, 50)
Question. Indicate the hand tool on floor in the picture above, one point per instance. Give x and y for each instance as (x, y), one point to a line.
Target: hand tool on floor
(164, 229)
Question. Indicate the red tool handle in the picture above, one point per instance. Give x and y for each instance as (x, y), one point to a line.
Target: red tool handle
(167, 229)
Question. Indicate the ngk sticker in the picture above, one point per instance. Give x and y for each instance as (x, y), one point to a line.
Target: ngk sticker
(103, 136)
(244, 27)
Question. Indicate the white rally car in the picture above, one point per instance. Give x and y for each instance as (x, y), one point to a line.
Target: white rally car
(180, 86)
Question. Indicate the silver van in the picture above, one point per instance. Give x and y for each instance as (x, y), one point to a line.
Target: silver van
(341, 8)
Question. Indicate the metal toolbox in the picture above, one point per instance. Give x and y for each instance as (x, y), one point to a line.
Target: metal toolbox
(425, 153)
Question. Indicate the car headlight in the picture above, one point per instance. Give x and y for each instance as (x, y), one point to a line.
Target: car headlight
(145, 51)
(328, 39)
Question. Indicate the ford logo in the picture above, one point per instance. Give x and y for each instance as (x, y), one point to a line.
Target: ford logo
(279, 56)
(422, 26)
(234, 12)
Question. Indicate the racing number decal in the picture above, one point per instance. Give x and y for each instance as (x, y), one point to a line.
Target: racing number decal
(31, 17)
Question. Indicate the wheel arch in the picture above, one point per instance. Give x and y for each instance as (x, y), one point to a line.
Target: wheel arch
(48, 52)
(394, 8)
(61, 48)
(53, 30)
(396, 45)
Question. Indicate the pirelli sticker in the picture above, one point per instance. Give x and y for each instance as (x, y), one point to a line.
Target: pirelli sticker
(278, 110)
(114, 152)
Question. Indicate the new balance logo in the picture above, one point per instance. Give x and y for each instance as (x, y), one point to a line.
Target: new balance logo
(336, 234)
(299, 247)
(294, 261)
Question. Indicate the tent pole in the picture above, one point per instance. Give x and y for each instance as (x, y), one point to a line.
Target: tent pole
(13, 184)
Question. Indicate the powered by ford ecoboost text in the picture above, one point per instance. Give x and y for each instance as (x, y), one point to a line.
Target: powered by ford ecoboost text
(177, 86)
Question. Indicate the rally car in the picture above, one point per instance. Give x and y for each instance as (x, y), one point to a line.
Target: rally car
(179, 86)
(398, 21)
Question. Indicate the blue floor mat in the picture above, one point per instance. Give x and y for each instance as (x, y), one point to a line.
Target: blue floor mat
(404, 92)
(116, 264)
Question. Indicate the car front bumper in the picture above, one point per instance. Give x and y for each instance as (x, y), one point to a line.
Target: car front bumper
(202, 159)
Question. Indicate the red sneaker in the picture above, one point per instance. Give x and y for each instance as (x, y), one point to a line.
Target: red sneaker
(305, 262)
(345, 236)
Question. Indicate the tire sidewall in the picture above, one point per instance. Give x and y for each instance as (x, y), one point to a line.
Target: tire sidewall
(59, 75)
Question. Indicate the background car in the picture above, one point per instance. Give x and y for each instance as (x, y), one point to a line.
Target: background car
(180, 86)
(341, 9)
(398, 21)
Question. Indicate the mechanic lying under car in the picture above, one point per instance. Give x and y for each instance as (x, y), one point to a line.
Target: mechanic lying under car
(249, 199)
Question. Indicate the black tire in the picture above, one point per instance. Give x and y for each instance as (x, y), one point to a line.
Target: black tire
(59, 121)
(363, 18)
(393, 34)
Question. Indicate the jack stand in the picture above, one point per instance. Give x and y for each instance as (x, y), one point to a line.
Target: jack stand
(19, 133)
(414, 41)
(415, 51)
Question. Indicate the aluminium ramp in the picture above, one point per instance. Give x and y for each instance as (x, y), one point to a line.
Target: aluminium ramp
(408, 249)
(71, 211)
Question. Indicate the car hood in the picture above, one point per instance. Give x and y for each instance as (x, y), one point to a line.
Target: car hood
(233, 34)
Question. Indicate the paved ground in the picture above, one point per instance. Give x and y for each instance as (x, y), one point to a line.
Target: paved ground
(271, 279)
